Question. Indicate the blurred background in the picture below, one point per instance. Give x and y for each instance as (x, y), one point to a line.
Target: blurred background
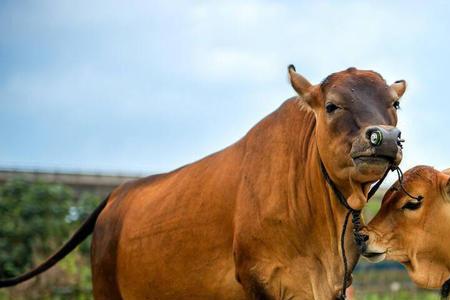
(93, 93)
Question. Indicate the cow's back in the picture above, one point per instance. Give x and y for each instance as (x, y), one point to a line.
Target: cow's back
(133, 253)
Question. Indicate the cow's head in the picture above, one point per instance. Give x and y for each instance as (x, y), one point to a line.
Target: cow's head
(356, 118)
(415, 233)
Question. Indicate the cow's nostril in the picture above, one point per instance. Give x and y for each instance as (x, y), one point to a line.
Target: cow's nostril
(400, 140)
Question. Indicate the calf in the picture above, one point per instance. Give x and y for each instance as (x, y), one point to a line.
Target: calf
(413, 229)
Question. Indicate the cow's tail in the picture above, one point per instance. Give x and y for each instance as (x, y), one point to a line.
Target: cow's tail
(79, 236)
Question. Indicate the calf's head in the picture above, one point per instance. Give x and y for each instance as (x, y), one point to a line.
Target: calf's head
(415, 232)
(356, 134)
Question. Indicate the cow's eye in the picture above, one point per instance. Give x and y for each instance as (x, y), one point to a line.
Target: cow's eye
(396, 104)
(412, 205)
(331, 107)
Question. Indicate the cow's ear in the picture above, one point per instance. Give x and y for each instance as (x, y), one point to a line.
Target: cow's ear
(446, 171)
(447, 189)
(446, 175)
(300, 84)
(399, 88)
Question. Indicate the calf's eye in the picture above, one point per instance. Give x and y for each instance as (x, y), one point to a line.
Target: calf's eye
(412, 205)
(331, 107)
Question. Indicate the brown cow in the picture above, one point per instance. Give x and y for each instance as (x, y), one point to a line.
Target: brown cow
(256, 220)
(412, 231)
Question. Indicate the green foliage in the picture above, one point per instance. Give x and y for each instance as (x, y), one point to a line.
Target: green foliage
(32, 222)
(35, 220)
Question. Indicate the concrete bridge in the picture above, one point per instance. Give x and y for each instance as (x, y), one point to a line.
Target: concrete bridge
(98, 183)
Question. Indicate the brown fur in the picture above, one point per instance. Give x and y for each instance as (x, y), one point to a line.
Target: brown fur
(417, 238)
(256, 220)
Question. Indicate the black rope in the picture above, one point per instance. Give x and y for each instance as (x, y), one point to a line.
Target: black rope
(359, 238)
(342, 295)
(400, 180)
(377, 185)
(341, 197)
(343, 201)
(336, 191)
(445, 290)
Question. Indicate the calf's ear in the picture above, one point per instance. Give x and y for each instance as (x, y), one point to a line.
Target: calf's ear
(399, 87)
(300, 84)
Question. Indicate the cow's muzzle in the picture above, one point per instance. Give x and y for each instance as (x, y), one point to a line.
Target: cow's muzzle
(378, 145)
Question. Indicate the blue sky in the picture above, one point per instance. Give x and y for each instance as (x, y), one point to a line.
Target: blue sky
(147, 86)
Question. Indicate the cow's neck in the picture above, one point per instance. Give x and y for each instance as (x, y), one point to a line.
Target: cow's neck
(313, 199)
(281, 174)
(328, 228)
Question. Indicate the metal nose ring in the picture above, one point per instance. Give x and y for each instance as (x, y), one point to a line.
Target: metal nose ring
(376, 137)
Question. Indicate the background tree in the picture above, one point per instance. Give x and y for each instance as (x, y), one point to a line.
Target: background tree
(35, 220)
